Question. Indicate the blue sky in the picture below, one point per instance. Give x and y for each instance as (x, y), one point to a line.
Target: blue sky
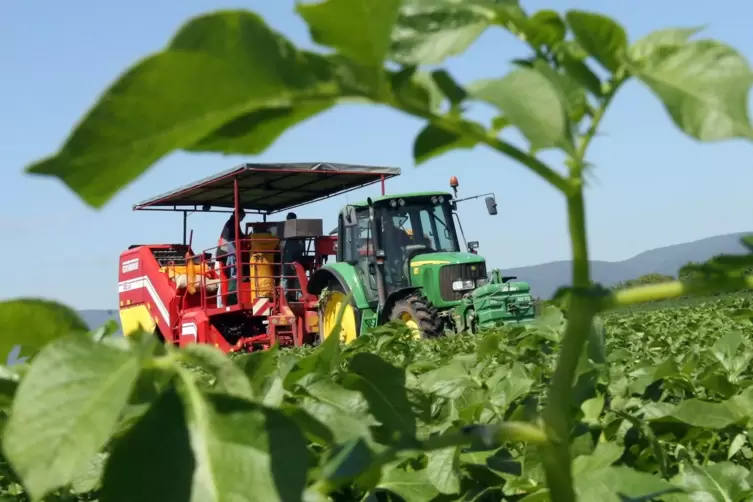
(652, 185)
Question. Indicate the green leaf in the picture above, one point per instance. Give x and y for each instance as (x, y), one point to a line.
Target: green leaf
(346, 462)
(442, 470)
(545, 28)
(259, 367)
(135, 469)
(89, 479)
(509, 385)
(704, 414)
(722, 482)
(434, 141)
(592, 409)
(9, 380)
(324, 360)
(254, 132)
(32, 323)
(343, 411)
(572, 94)
(580, 72)
(704, 87)
(618, 484)
(228, 377)
(383, 386)
(605, 454)
(218, 68)
(411, 486)
(529, 100)
(726, 347)
(449, 381)
(359, 29)
(416, 91)
(217, 447)
(453, 91)
(488, 346)
(656, 40)
(65, 410)
(601, 37)
(737, 443)
(428, 32)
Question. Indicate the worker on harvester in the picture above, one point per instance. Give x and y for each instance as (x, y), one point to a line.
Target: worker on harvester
(226, 251)
(292, 250)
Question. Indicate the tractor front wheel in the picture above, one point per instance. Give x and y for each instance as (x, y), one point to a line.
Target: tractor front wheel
(335, 300)
(419, 315)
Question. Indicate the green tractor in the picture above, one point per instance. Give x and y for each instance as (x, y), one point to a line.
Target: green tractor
(400, 257)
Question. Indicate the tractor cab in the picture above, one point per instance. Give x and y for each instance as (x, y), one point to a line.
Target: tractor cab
(408, 230)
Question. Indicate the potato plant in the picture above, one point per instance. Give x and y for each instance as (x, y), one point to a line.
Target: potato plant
(519, 414)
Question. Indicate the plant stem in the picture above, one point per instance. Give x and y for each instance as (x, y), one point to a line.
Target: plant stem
(557, 413)
(674, 289)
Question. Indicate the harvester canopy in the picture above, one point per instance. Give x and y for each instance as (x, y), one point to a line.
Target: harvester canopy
(269, 188)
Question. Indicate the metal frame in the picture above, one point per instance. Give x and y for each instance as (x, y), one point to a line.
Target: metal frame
(180, 200)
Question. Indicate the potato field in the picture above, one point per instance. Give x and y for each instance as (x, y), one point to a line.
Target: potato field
(665, 408)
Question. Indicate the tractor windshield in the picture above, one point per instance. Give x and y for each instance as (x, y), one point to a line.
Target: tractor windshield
(424, 224)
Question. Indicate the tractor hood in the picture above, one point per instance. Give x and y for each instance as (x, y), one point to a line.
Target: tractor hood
(444, 258)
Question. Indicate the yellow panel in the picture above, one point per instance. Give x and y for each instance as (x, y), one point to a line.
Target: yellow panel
(136, 318)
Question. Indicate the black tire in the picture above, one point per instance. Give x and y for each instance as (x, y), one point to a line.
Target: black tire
(422, 311)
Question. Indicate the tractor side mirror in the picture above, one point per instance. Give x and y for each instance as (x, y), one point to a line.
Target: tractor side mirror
(349, 218)
(491, 206)
(472, 247)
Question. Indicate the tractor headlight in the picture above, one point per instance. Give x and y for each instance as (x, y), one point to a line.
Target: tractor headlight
(463, 285)
(481, 282)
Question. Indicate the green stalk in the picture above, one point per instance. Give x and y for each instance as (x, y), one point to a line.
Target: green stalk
(557, 413)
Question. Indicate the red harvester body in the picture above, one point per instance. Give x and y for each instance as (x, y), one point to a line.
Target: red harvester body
(185, 297)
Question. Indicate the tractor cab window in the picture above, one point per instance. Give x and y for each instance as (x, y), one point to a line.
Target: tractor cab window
(420, 224)
(355, 245)
(438, 234)
(358, 248)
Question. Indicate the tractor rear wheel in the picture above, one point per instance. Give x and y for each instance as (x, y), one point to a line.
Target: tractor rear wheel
(329, 308)
(419, 315)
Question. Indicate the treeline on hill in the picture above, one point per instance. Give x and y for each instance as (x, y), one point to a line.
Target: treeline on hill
(689, 271)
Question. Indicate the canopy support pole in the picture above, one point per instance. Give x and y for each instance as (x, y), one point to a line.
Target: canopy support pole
(185, 227)
(237, 224)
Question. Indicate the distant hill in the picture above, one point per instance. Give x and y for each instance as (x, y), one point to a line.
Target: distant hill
(547, 277)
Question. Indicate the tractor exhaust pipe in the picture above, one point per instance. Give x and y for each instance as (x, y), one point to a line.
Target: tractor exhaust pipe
(379, 255)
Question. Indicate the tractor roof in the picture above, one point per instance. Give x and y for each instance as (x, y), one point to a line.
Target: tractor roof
(364, 203)
(269, 188)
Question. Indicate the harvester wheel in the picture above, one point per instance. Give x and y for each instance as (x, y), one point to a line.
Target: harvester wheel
(419, 315)
(328, 310)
